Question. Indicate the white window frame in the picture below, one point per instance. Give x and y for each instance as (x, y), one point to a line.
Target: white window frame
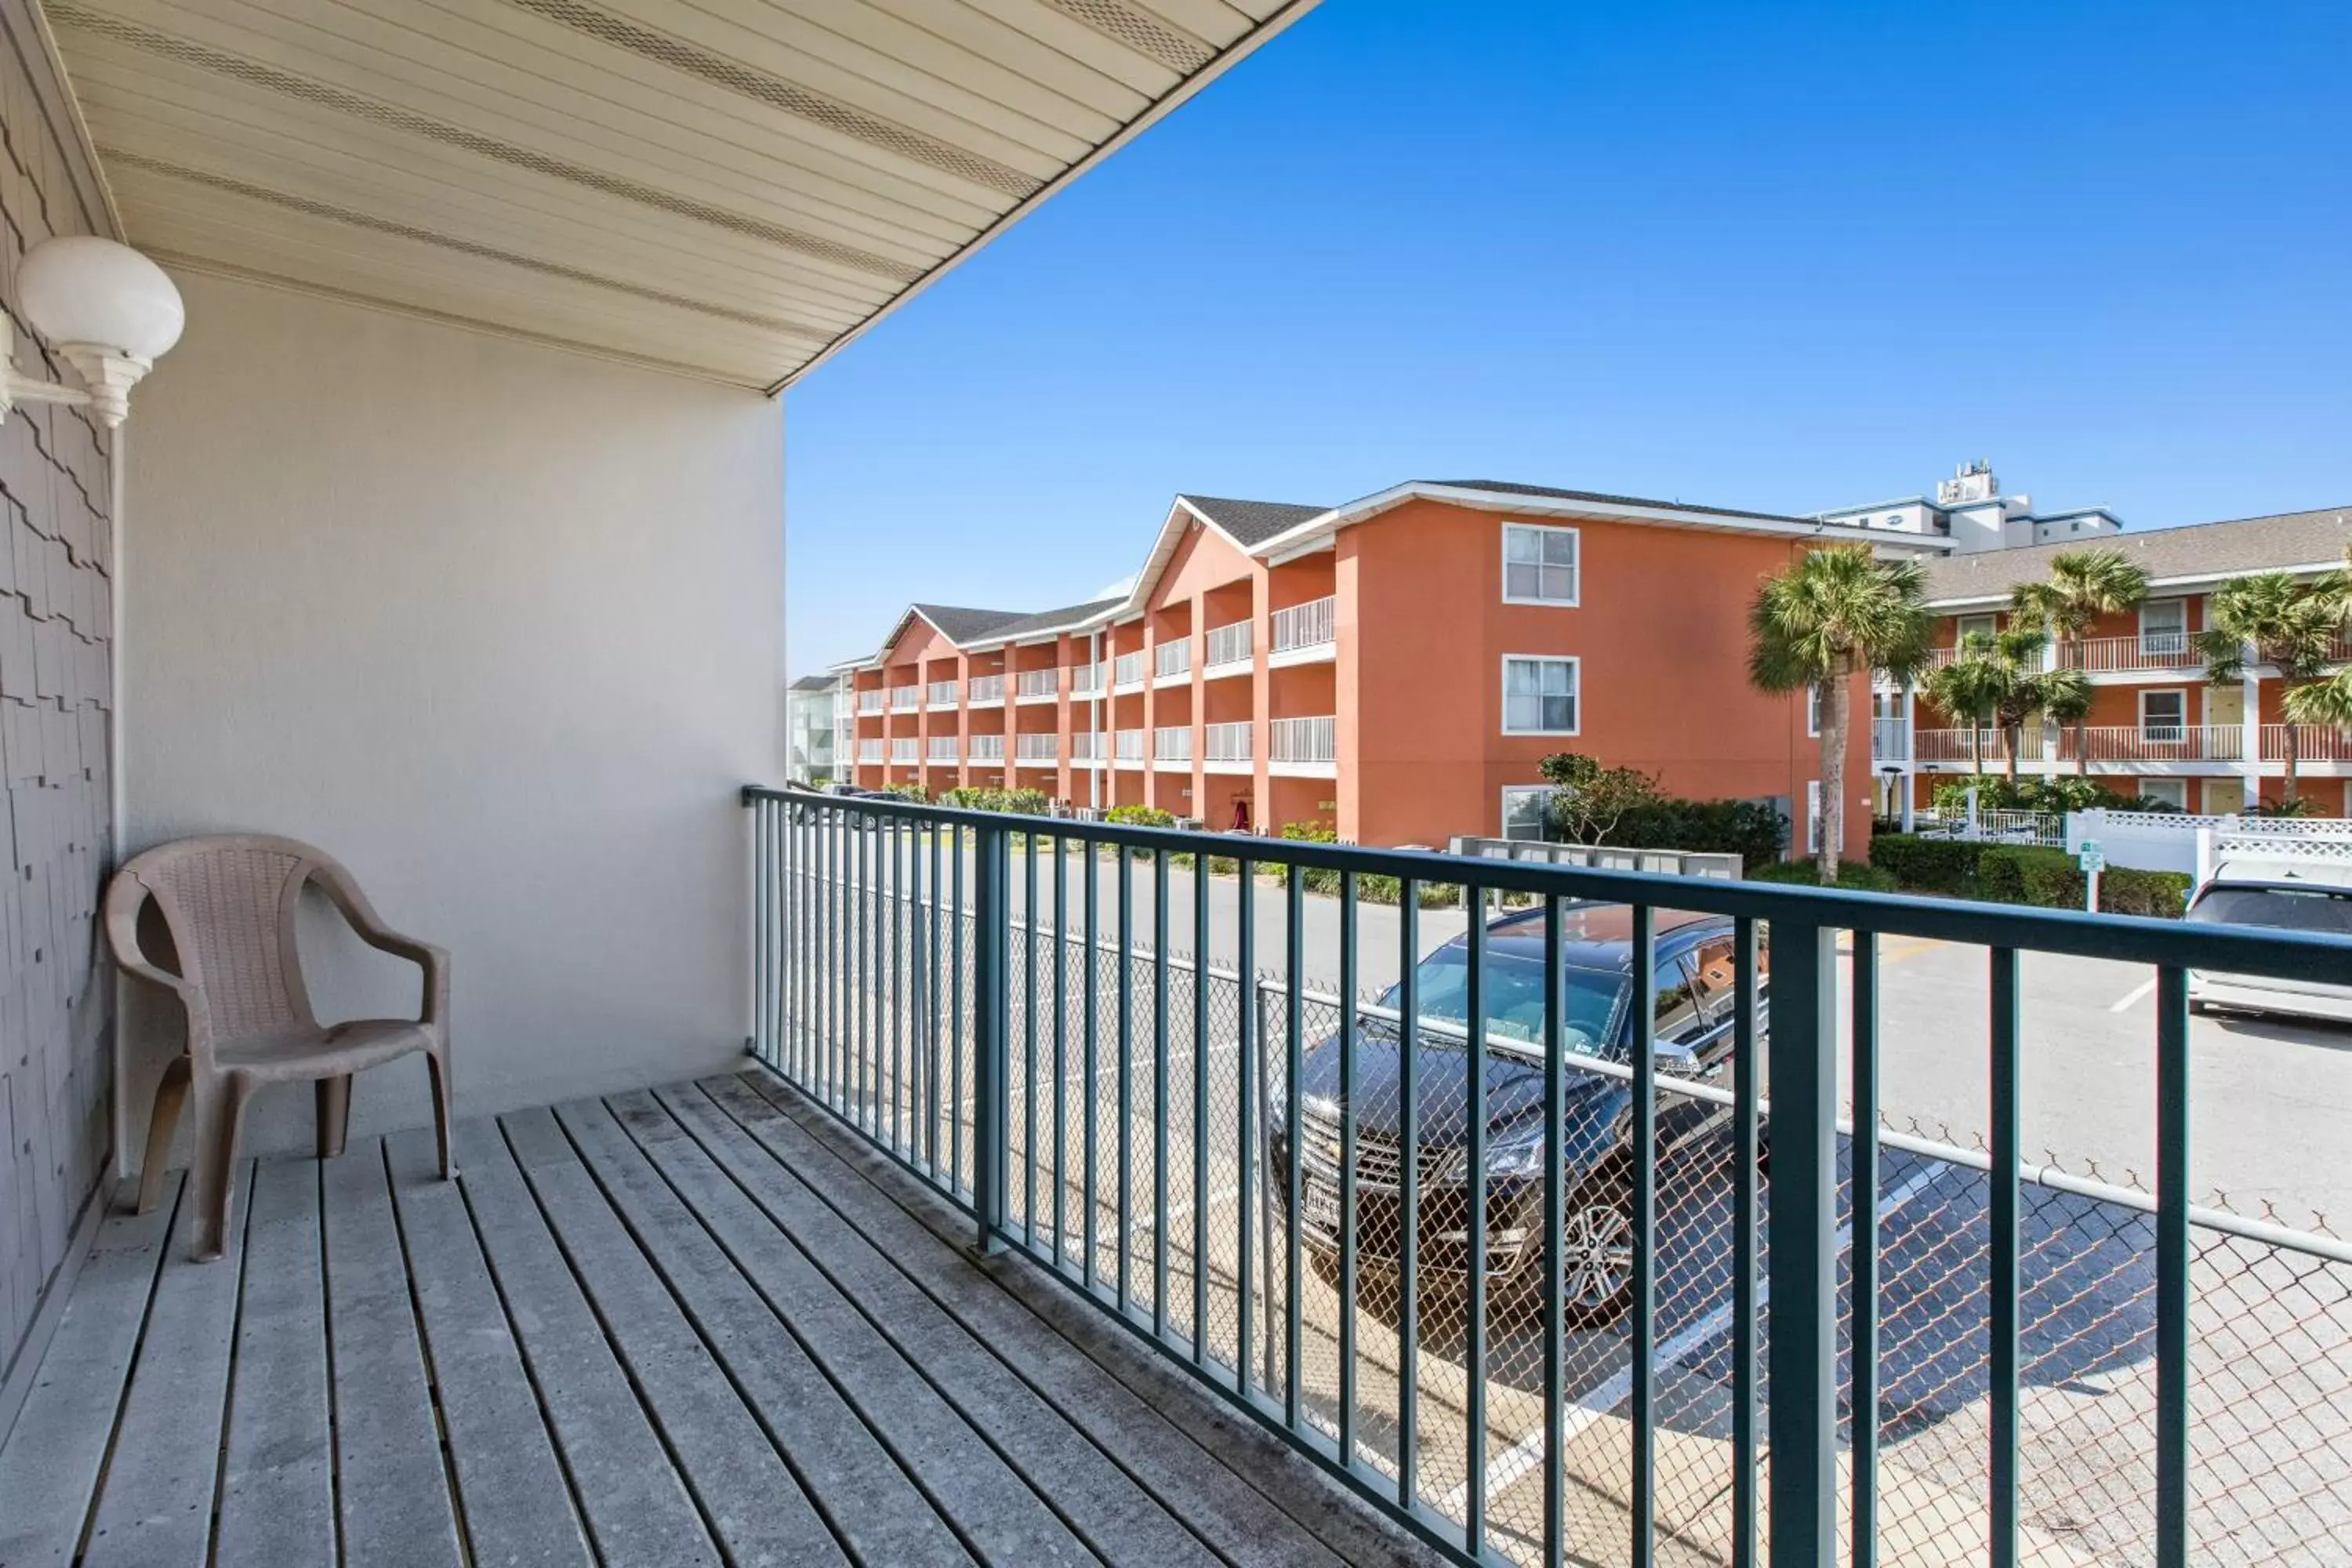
(1575, 570)
(2180, 632)
(1543, 790)
(2175, 790)
(1990, 623)
(1575, 691)
(2179, 731)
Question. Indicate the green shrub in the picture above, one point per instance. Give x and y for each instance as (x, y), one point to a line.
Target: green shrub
(1752, 830)
(1310, 833)
(1140, 816)
(2029, 874)
(913, 791)
(2125, 892)
(1927, 865)
(1851, 874)
(1020, 802)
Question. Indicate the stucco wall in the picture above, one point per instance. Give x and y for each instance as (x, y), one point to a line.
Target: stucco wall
(498, 626)
(56, 672)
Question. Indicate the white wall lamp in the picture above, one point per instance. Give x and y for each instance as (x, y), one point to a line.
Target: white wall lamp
(110, 311)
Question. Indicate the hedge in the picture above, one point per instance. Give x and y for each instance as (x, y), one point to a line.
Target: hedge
(2023, 874)
(1752, 830)
(1851, 875)
(1927, 865)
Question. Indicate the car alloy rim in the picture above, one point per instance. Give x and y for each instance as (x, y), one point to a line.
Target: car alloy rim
(1597, 1248)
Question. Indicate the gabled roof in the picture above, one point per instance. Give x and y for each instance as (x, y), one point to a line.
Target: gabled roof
(1504, 487)
(1068, 618)
(1249, 523)
(815, 683)
(2271, 543)
(963, 626)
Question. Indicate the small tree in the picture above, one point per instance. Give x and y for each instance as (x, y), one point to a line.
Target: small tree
(2084, 585)
(1835, 613)
(1970, 688)
(1588, 798)
(2287, 625)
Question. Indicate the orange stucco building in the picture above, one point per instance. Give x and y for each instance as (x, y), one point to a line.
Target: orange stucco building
(1396, 668)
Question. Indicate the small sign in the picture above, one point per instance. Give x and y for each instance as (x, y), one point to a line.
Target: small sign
(2091, 857)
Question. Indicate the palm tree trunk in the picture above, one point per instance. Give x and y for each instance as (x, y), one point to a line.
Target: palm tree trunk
(1836, 714)
(2013, 736)
(2083, 744)
(1976, 746)
(2289, 792)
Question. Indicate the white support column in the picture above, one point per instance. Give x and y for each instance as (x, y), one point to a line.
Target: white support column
(2250, 725)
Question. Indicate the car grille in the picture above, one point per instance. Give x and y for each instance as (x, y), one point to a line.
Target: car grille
(1379, 1160)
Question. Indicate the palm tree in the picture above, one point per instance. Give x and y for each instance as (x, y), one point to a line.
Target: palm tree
(1970, 688)
(2065, 701)
(1834, 613)
(2274, 620)
(2327, 703)
(2084, 585)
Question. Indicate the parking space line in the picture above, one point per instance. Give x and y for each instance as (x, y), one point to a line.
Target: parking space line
(2137, 995)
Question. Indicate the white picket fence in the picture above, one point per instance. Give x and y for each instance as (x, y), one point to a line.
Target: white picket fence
(2172, 841)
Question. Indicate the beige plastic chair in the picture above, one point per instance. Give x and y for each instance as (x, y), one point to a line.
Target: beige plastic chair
(228, 903)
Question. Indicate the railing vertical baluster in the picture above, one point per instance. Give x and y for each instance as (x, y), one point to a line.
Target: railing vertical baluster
(990, 936)
(1200, 1109)
(1031, 925)
(894, 891)
(1408, 1191)
(1473, 1307)
(1863, 1442)
(919, 1053)
(862, 984)
(1555, 1214)
(2172, 1254)
(1347, 1422)
(1642, 1392)
(1245, 1068)
(1060, 1032)
(1160, 1094)
(957, 1033)
(758, 1009)
(829, 987)
(931, 1030)
(2002, 1212)
(1801, 1357)
(1090, 956)
(1125, 988)
(1294, 1055)
(1746, 1239)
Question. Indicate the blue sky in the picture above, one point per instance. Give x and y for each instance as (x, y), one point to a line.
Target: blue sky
(1781, 255)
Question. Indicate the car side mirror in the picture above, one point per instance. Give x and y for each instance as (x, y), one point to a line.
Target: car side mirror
(1677, 1060)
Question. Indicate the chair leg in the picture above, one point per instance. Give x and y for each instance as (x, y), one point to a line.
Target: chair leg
(439, 1066)
(220, 1110)
(171, 1093)
(334, 1097)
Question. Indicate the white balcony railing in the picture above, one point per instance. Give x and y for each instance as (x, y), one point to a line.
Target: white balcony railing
(984, 747)
(1315, 624)
(1227, 742)
(1037, 748)
(940, 694)
(987, 689)
(905, 750)
(1173, 743)
(1228, 645)
(1127, 670)
(1887, 740)
(1305, 739)
(941, 748)
(870, 700)
(2312, 743)
(1089, 745)
(2159, 744)
(2144, 651)
(904, 699)
(1127, 745)
(1040, 683)
(870, 751)
(1086, 680)
(1171, 659)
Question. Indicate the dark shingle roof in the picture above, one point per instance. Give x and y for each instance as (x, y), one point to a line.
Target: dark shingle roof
(966, 625)
(1501, 486)
(2247, 544)
(1049, 620)
(815, 683)
(1251, 523)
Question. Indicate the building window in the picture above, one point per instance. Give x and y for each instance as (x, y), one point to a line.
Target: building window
(1525, 808)
(2163, 715)
(1812, 816)
(2164, 625)
(1814, 711)
(1538, 564)
(2173, 793)
(1538, 696)
(1972, 625)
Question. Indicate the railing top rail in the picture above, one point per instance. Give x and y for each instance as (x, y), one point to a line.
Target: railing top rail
(2130, 939)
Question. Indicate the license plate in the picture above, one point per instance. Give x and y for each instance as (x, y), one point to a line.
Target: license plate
(1322, 1205)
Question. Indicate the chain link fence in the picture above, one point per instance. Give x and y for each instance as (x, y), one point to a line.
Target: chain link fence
(1149, 1098)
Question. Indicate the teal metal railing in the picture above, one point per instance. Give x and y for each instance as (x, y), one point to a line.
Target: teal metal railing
(1372, 1226)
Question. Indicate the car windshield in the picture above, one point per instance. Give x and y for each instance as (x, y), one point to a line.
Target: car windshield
(1515, 990)
(2325, 910)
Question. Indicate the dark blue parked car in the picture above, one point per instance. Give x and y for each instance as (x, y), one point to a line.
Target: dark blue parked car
(1694, 1032)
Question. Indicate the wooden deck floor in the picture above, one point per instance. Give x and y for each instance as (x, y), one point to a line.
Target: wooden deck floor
(697, 1325)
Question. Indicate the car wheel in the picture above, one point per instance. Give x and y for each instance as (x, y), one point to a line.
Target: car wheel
(1596, 1254)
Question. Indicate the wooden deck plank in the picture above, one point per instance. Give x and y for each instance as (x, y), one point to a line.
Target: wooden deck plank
(748, 1491)
(1109, 1507)
(1256, 1502)
(396, 1509)
(993, 1506)
(50, 1468)
(156, 1506)
(638, 1506)
(278, 1489)
(516, 1500)
(857, 1482)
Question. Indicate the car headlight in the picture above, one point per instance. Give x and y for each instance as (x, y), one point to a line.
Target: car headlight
(1520, 1154)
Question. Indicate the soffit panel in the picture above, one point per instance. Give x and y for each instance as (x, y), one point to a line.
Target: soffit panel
(727, 189)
